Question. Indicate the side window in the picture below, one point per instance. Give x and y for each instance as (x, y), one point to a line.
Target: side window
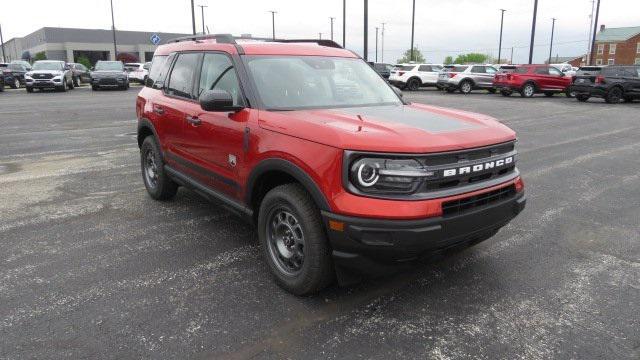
(521, 70)
(554, 71)
(491, 70)
(158, 71)
(478, 69)
(542, 70)
(218, 73)
(181, 78)
(424, 68)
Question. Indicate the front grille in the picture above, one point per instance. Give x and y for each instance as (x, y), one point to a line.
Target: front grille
(459, 206)
(108, 81)
(43, 76)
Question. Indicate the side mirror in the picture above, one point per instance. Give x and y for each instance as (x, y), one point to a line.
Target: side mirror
(397, 91)
(217, 100)
(67, 67)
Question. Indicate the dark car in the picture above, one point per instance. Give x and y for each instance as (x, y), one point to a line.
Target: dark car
(613, 83)
(383, 69)
(80, 73)
(13, 74)
(109, 74)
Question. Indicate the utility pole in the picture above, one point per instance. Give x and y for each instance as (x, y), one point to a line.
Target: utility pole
(193, 17)
(366, 30)
(273, 24)
(320, 35)
(382, 50)
(500, 43)
(553, 26)
(113, 30)
(511, 61)
(533, 30)
(413, 22)
(376, 44)
(202, 11)
(595, 31)
(4, 56)
(344, 23)
(593, 9)
(332, 18)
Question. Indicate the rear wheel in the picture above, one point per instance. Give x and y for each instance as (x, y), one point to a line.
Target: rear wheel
(156, 181)
(614, 95)
(294, 241)
(413, 84)
(528, 90)
(582, 97)
(466, 87)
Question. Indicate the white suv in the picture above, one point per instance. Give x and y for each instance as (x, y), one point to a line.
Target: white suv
(413, 76)
(138, 71)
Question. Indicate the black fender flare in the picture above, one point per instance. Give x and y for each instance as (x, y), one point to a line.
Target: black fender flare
(291, 169)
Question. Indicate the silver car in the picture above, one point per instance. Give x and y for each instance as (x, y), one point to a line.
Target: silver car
(49, 74)
(466, 78)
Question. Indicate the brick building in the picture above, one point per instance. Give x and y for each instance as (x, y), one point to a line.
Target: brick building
(617, 46)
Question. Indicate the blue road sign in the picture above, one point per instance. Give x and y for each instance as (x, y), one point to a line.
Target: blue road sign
(155, 39)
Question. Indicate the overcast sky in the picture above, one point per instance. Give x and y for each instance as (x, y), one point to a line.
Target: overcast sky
(443, 27)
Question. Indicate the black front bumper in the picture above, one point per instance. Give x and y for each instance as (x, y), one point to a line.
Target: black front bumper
(591, 90)
(369, 244)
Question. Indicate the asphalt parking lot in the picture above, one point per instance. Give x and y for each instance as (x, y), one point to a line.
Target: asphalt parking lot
(91, 267)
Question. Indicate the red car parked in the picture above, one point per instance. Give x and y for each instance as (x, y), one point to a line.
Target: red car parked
(306, 140)
(532, 79)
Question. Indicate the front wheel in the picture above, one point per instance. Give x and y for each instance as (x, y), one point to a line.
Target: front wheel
(294, 241)
(466, 87)
(156, 181)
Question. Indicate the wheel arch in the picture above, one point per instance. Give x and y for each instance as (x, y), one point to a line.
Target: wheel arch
(146, 128)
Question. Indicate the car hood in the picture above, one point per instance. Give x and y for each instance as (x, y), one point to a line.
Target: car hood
(413, 128)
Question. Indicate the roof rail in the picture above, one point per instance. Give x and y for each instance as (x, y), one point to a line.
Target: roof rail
(230, 39)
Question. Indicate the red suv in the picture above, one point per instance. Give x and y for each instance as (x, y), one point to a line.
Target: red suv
(304, 139)
(531, 79)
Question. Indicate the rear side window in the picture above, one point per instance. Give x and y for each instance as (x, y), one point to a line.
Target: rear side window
(218, 72)
(478, 69)
(405, 67)
(182, 74)
(424, 68)
(158, 70)
(521, 70)
(542, 71)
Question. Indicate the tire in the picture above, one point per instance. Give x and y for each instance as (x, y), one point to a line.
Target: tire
(77, 81)
(70, 84)
(290, 226)
(156, 181)
(16, 84)
(29, 89)
(614, 95)
(582, 97)
(2, 87)
(548, 93)
(413, 84)
(466, 86)
(506, 92)
(528, 90)
(94, 88)
(63, 88)
(570, 94)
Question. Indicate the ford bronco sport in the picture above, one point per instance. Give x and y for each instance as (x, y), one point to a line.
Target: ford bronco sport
(340, 175)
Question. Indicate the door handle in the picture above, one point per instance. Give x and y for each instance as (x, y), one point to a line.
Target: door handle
(193, 120)
(158, 110)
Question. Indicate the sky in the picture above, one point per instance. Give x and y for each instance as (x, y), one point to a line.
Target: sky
(442, 27)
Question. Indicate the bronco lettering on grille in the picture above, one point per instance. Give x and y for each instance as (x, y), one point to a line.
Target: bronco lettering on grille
(478, 167)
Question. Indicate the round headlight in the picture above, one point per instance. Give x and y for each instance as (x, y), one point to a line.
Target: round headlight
(368, 174)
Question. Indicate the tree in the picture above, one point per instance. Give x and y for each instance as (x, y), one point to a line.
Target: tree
(84, 61)
(40, 56)
(475, 58)
(448, 60)
(417, 56)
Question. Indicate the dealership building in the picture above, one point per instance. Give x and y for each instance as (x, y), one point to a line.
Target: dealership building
(69, 44)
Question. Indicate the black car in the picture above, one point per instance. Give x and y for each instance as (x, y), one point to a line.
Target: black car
(13, 74)
(613, 83)
(383, 69)
(109, 74)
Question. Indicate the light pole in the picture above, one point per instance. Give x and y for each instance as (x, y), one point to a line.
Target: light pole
(344, 23)
(366, 30)
(533, 30)
(273, 24)
(113, 30)
(595, 30)
(413, 22)
(193, 17)
(332, 18)
(553, 26)
(500, 43)
(320, 36)
(382, 50)
(202, 12)
(376, 44)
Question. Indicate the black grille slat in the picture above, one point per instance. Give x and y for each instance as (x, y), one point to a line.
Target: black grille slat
(459, 206)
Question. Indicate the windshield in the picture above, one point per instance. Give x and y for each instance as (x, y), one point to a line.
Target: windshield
(109, 65)
(299, 82)
(47, 66)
